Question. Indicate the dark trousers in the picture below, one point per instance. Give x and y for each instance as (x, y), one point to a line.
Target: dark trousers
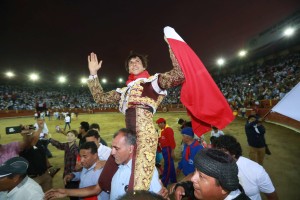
(169, 173)
(45, 143)
(67, 124)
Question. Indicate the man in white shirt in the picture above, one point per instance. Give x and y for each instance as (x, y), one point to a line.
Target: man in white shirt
(43, 135)
(216, 132)
(96, 127)
(67, 121)
(103, 151)
(45, 130)
(252, 176)
(35, 115)
(16, 183)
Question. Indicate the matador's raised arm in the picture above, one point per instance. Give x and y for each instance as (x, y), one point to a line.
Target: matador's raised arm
(171, 78)
(99, 95)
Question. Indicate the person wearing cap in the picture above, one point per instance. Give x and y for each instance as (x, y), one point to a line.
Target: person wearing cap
(215, 178)
(252, 176)
(15, 182)
(191, 147)
(183, 124)
(167, 144)
(255, 133)
(138, 101)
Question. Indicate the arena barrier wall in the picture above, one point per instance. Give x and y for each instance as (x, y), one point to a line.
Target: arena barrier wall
(279, 119)
(262, 109)
(30, 113)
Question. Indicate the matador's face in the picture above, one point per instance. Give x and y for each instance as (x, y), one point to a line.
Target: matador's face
(135, 66)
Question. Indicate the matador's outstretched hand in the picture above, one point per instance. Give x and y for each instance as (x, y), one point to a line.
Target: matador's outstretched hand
(94, 65)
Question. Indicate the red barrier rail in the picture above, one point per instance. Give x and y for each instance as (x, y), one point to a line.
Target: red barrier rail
(261, 109)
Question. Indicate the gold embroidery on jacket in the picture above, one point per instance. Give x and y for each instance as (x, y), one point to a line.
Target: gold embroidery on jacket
(99, 95)
(147, 139)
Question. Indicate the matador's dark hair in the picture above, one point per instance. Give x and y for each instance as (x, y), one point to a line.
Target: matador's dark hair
(132, 54)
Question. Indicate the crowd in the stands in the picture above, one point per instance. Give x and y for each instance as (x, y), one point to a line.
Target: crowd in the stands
(269, 80)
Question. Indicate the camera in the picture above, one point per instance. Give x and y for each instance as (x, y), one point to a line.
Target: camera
(17, 129)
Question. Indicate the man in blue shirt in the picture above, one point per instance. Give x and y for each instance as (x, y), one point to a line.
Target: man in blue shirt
(122, 150)
(191, 147)
(89, 175)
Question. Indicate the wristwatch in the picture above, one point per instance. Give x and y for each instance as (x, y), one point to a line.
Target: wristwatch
(93, 76)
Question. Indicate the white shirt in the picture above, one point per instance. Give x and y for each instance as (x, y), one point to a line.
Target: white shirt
(254, 178)
(217, 134)
(103, 152)
(233, 194)
(67, 119)
(28, 189)
(121, 179)
(44, 131)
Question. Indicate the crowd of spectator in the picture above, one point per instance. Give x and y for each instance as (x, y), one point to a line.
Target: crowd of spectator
(270, 80)
(29, 98)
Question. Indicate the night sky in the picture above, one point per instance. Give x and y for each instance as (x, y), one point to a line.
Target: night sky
(55, 36)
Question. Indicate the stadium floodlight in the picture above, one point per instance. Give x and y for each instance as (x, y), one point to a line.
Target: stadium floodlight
(289, 32)
(83, 80)
(221, 61)
(104, 80)
(34, 77)
(9, 74)
(120, 80)
(242, 53)
(62, 79)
